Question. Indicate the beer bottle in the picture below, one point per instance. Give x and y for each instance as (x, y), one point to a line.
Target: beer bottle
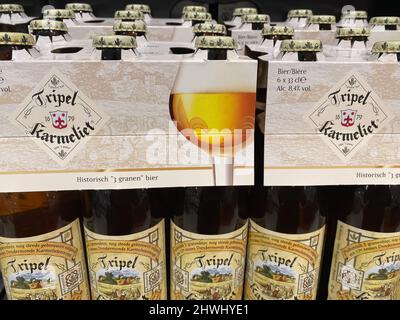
(49, 29)
(41, 249)
(208, 244)
(111, 47)
(12, 43)
(286, 229)
(125, 233)
(125, 245)
(363, 242)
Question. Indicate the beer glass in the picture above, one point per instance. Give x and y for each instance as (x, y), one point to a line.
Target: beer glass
(213, 104)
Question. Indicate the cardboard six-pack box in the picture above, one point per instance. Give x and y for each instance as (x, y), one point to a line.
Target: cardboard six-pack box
(332, 123)
(84, 124)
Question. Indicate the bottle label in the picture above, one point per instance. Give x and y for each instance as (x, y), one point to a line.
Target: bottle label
(365, 265)
(46, 267)
(207, 267)
(131, 267)
(283, 266)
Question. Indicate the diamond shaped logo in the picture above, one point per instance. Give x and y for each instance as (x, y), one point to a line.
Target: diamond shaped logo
(349, 115)
(59, 117)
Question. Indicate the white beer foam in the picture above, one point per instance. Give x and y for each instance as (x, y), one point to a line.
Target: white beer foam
(216, 76)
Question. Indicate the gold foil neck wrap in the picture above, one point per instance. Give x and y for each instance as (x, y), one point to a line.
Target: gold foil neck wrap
(385, 21)
(299, 13)
(10, 8)
(386, 47)
(197, 16)
(352, 32)
(238, 12)
(128, 15)
(130, 26)
(256, 18)
(301, 46)
(198, 9)
(48, 25)
(357, 14)
(318, 19)
(79, 7)
(58, 14)
(114, 42)
(207, 27)
(141, 7)
(16, 39)
(277, 31)
(215, 42)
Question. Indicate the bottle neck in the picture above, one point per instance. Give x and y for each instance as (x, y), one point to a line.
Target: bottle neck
(307, 55)
(257, 25)
(47, 33)
(325, 26)
(6, 53)
(194, 22)
(277, 37)
(391, 27)
(130, 33)
(217, 54)
(111, 54)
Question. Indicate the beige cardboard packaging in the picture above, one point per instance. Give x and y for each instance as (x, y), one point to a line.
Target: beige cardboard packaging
(332, 123)
(92, 124)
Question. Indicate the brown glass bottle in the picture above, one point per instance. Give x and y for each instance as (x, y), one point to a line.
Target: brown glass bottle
(367, 217)
(37, 230)
(284, 221)
(212, 223)
(125, 245)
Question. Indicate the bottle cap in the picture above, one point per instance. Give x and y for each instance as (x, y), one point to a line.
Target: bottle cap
(16, 39)
(299, 13)
(215, 42)
(385, 21)
(51, 25)
(129, 15)
(301, 45)
(357, 14)
(197, 9)
(130, 26)
(318, 19)
(197, 16)
(141, 7)
(114, 42)
(277, 31)
(238, 12)
(255, 18)
(79, 7)
(208, 27)
(58, 14)
(352, 32)
(386, 47)
(8, 8)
